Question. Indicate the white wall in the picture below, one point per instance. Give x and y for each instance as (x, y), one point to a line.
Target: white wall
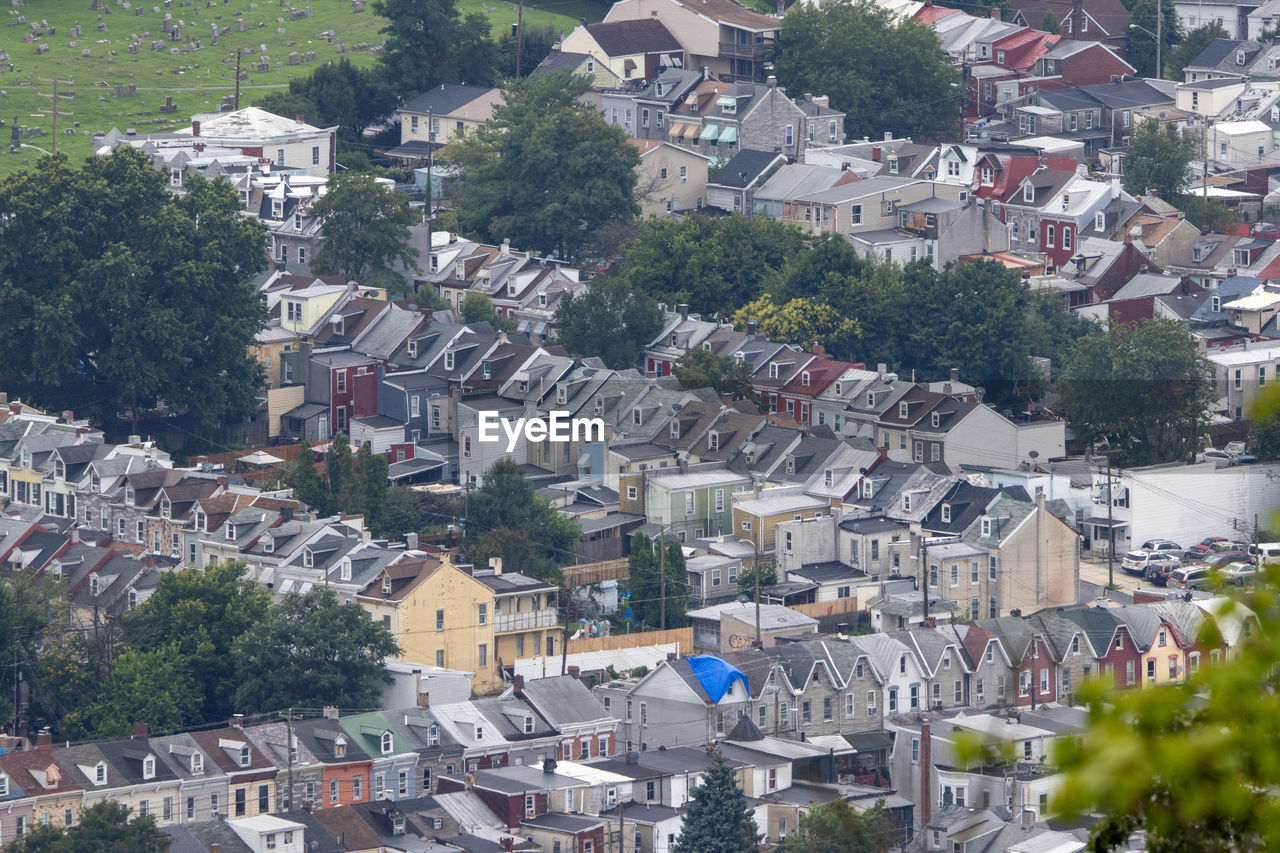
(1189, 502)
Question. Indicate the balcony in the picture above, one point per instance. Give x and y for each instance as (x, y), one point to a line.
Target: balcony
(755, 50)
(528, 621)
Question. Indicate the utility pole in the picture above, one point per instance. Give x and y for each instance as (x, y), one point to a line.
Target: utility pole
(1159, 22)
(237, 78)
(288, 724)
(924, 574)
(1111, 529)
(519, 36)
(431, 159)
(55, 96)
(662, 579)
(756, 570)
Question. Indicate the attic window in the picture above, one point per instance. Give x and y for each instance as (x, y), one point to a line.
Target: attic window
(433, 735)
(599, 405)
(988, 176)
(448, 361)
(95, 586)
(528, 725)
(1215, 303)
(268, 545)
(197, 763)
(935, 419)
(59, 469)
(386, 584)
(636, 417)
(100, 774)
(1100, 221)
(804, 378)
(231, 532)
(1239, 57)
(387, 743)
(906, 502)
(411, 349)
(308, 559)
(675, 339)
(1028, 193)
(245, 756)
(827, 477)
(773, 371)
(713, 440)
(339, 748)
(562, 394)
(486, 370)
(871, 400)
(986, 527)
(675, 429)
(791, 464)
(946, 513)
(479, 732)
(129, 493)
(867, 488)
(149, 767)
(902, 410)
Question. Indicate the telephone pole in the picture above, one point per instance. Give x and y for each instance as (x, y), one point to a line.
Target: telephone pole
(237, 78)
(55, 97)
(519, 36)
(1111, 529)
(662, 579)
(288, 724)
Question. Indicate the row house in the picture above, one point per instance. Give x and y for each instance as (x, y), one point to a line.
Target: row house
(633, 50)
(725, 38)
(681, 333)
(1051, 208)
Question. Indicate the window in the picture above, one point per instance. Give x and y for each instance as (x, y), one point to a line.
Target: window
(483, 654)
(914, 693)
(333, 791)
(1048, 236)
(241, 798)
(688, 503)
(773, 779)
(855, 214)
(387, 743)
(1128, 672)
(893, 700)
(1173, 666)
(915, 750)
(1066, 238)
(483, 614)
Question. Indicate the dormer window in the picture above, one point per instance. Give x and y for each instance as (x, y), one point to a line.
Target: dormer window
(245, 756)
(268, 545)
(59, 468)
(599, 405)
(411, 349)
(946, 513)
(387, 743)
(231, 532)
(524, 386)
(675, 339)
(871, 400)
(166, 508)
(1239, 57)
(528, 725)
(1215, 303)
(773, 371)
(197, 764)
(433, 735)
(486, 370)
(1028, 193)
(935, 419)
(542, 300)
(713, 440)
(386, 584)
(867, 489)
(828, 477)
(129, 493)
(340, 748)
(906, 502)
(893, 164)
(636, 417)
(988, 176)
(903, 408)
(100, 774)
(297, 222)
(791, 464)
(95, 585)
(4, 785)
(562, 394)
(308, 559)
(448, 361)
(459, 270)
(674, 431)
(479, 732)
(804, 378)
(1100, 221)
(95, 482)
(149, 767)
(201, 521)
(986, 527)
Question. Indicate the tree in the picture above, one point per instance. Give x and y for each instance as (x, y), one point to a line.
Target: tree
(337, 463)
(478, 308)
(369, 487)
(547, 171)
(158, 687)
(28, 612)
(1191, 46)
(106, 825)
(366, 229)
(885, 74)
(404, 513)
(609, 321)
(802, 321)
(717, 819)
(836, 827)
(310, 651)
(656, 603)
(335, 93)
(762, 573)
(428, 42)
(70, 674)
(1194, 764)
(506, 516)
(1264, 432)
(1142, 388)
(700, 368)
(306, 483)
(537, 44)
(1207, 213)
(1050, 23)
(118, 272)
(1142, 45)
(1157, 159)
(196, 614)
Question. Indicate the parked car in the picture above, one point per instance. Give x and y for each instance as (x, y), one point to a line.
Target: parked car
(1210, 454)
(1269, 551)
(1202, 547)
(1164, 546)
(1223, 558)
(1219, 547)
(1193, 577)
(1239, 572)
(1137, 562)
(1159, 567)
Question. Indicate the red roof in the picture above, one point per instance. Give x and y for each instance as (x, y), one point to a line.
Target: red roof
(1271, 271)
(821, 374)
(930, 13)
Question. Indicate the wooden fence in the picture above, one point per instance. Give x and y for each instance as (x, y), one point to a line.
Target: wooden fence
(682, 636)
(589, 573)
(818, 609)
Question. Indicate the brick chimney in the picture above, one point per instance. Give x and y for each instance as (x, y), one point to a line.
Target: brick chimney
(926, 766)
(995, 14)
(44, 741)
(517, 685)
(139, 731)
(195, 128)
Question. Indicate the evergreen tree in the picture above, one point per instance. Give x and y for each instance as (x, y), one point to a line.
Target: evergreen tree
(337, 460)
(654, 603)
(369, 487)
(306, 483)
(718, 819)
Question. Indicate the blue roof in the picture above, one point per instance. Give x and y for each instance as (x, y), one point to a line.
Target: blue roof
(1229, 289)
(716, 675)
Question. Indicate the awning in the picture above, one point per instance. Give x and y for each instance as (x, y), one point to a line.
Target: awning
(286, 587)
(584, 461)
(730, 134)
(710, 132)
(867, 741)
(541, 329)
(678, 130)
(630, 65)
(1102, 522)
(524, 326)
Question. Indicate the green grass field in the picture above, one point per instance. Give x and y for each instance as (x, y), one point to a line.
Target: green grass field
(197, 80)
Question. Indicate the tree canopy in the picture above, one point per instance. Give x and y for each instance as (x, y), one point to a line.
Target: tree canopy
(1142, 389)
(1191, 46)
(717, 819)
(335, 93)
(655, 602)
(122, 296)
(836, 827)
(1157, 158)
(885, 74)
(309, 651)
(609, 321)
(366, 228)
(701, 368)
(506, 519)
(1142, 45)
(547, 171)
(106, 825)
(429, 42)
(1194, 764)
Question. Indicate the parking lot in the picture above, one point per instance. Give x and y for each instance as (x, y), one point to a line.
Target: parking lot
(1093, 568)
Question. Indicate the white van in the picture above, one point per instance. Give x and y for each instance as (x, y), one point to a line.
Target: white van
(1268, 551)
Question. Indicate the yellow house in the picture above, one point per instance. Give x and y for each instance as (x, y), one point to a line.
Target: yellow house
(50, 794)
(451, 111)
(755, 518)
(302, 311)
(462, 617)
(669, 178)
(1164, 661)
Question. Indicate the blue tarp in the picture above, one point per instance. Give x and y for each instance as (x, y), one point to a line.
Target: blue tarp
(716, 676)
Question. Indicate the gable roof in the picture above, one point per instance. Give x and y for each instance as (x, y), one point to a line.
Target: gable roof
(445, 99)
(745, 168)
(647, 35)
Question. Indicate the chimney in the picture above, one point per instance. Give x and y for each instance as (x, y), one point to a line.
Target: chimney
(215, 848)
(548, 765)
(876, 153)
(888, 136)
(517, 685)
(411, 541)
(926, 767)
(495, 563)
(139, 731)
(955, 374)
(726, 399)
(772, 81)
(822, 100)
(820, 351)
(68, 416)
(237, 721)
(575, 671)
(301, 119)
(995, 14)
(683, 310)
(44, 741)
(505, 249)
(15, 407)
(195, 128)
(751, 328)
(508, 843)
(330, 712)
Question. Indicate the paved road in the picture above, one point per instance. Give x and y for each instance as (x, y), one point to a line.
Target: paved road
(1094, 570)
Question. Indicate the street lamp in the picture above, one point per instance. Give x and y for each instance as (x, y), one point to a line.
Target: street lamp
(1156, 36)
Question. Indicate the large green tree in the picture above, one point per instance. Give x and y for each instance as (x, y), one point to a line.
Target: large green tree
(837, 827)
(104, 826)
(610, 321)
(657, 582)
(311, 650)
(429, 42)
(886, 74)
(116, 295)
(547, 171)
(1191, 46)
(478, 308)
(195, 615)
(701, 368)
(1142, 45)
(157, 686)
(29, 614)
(1157, 158)
(1142, 389)
(366, 230)
(369, 487)
(718, 819)
(507, 519)
(1195, 765)
(338, 93)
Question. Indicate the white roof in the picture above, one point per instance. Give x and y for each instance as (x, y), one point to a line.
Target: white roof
(784, 503)
(1245, 356)
(772, 616)
(545, 667)
(267, 823)
(249, 123)
(1039, 111)
(696, 479)
(1232, 128)
(1257, 301)
(1049, 841)
(587, 773)
(1002, 729)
